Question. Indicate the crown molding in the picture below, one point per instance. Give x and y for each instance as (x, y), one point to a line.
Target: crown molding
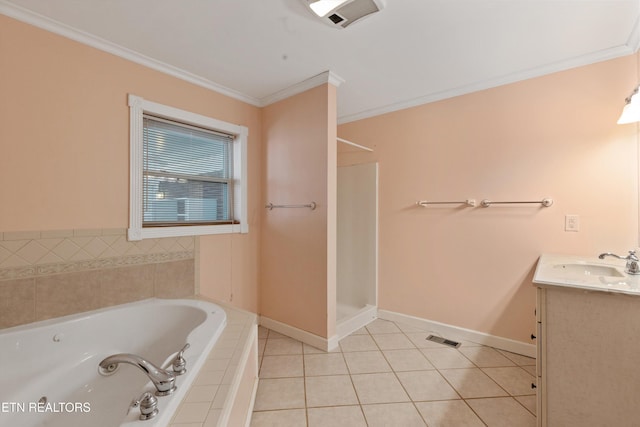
(40, 21)
(579, 61)
(24, 15)
(634, 38)
(317, 80)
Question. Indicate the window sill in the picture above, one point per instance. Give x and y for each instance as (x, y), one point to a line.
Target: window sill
(134, 234)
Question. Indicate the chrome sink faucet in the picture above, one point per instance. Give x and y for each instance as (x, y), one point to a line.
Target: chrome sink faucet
(632, 267)
(164, 381)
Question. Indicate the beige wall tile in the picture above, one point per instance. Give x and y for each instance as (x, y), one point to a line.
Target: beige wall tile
(32, 252)
(39, 298)
(175, 279)
(55, 234)
(87, 232)
(17, 302)
(114, 232)
(69, 293)
(126, 284)
(21, 235)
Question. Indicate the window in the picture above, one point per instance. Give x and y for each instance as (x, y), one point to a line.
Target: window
(188, 173)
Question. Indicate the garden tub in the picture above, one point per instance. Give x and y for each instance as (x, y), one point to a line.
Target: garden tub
(50, 375)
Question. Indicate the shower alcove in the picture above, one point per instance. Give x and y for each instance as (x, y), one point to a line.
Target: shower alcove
(357, 243)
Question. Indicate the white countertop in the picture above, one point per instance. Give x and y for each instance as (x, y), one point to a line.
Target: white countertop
(564, 271)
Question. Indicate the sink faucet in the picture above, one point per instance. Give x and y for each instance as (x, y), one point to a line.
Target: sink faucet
(163, 380)
(632, 267)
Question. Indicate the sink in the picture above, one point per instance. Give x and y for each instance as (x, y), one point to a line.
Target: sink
(590, 269)
(587, 273)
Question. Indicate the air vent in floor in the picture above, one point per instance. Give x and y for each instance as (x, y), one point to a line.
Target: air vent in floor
(444, 341)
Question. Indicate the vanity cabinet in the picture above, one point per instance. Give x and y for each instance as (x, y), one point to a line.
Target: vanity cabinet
(588, 357)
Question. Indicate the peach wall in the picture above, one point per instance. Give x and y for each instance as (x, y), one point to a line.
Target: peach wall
(64, 139)
(332, 209)
(554, 136)
(294, 243)
(64, 136)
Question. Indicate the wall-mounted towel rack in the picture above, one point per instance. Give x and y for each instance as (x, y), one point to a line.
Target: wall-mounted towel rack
(425, 203)
(353, 144)
(311, 206)
(546, 202)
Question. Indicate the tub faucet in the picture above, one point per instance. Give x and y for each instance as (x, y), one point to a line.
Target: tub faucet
(163, 380)
(179, 364)
(632, 267)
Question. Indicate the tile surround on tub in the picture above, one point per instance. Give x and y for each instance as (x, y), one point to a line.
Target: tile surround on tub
(44, 297)
(46, 274)
(37, 253)
(215, 398)
(17, 302)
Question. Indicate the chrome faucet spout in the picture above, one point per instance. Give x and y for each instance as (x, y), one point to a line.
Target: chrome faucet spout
(606, 254)
(164, 381)
(633, 263)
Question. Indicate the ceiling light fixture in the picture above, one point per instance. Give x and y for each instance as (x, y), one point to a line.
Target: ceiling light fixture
(631, 110)
(323, 7)
(342, 13)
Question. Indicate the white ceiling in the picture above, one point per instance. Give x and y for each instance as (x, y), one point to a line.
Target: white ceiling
(410, 53)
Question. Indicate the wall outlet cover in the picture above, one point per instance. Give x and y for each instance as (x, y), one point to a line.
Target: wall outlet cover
(571, 223)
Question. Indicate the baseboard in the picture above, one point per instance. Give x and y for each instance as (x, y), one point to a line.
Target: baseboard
(362, 318)
(326, 344)
(462, 334)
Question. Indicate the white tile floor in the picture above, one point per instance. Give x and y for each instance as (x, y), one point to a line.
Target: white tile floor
(388, 374)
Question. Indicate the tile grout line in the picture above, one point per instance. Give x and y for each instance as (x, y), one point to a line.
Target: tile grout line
(413, 403)
(395, 373)
(447, 381)
(355, 391)
(304, 388)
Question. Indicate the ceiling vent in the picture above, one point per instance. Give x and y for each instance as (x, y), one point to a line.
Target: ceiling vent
(342, 13)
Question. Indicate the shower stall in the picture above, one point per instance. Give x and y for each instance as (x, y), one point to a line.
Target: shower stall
(357, 247)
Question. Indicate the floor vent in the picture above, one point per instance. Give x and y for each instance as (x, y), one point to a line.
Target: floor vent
(444, 341)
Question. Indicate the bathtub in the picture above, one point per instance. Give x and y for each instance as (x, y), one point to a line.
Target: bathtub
(58, 359)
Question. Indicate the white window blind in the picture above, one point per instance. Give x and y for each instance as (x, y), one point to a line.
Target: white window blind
(187, 174)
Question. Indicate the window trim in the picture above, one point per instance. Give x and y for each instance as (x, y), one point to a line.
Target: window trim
(139, 106)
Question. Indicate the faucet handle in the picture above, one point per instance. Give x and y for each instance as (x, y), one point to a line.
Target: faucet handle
(148, 406)
(179, 364)
(632, 256)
